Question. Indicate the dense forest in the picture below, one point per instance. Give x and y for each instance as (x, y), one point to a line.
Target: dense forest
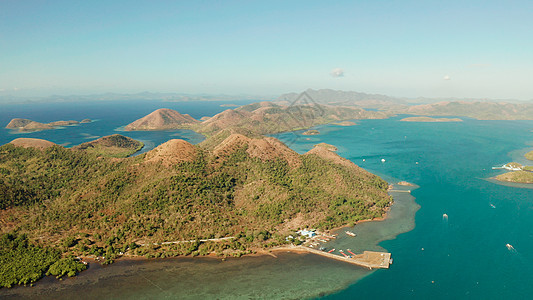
(76, 203)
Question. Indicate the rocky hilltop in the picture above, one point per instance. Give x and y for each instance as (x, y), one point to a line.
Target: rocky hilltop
(115, 145)
(32, 143)
(162, 119)
(172, 152)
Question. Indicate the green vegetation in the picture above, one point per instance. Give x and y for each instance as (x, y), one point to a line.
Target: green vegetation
(81, 204)
(115, 145)
(66, 266)
(95, 200)
(24, 263)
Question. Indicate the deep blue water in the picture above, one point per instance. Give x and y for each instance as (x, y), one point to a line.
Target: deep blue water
(108, 117)
(464, 256)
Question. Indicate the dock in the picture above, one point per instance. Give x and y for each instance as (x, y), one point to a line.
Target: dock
(369, 259)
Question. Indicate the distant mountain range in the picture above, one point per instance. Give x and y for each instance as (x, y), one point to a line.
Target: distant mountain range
(483, 109)
(325, 96)
(376, 101)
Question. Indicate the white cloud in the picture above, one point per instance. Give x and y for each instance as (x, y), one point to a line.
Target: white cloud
(447, 77)
(337, 72)
(479, 65)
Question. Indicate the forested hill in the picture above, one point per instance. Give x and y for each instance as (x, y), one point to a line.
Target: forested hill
(254, 189)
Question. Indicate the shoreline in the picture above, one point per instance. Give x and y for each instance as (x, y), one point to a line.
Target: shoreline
(257, 252)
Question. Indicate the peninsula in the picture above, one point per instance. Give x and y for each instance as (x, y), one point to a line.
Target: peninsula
(235, 193)
(518, 174)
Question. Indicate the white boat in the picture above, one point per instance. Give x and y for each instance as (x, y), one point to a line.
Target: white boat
(382, 160)
(350, 233)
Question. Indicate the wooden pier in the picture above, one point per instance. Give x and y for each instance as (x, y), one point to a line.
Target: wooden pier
(369, 259)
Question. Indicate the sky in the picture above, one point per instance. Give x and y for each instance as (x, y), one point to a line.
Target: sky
(474, 49)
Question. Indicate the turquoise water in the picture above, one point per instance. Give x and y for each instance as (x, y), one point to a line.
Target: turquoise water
(464, 256)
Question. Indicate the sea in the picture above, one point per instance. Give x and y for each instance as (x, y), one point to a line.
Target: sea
(456, 234)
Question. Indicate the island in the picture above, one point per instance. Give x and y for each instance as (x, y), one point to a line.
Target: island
(236, 193)
(25, 125)
(518, 174)
(311, 132)
(430, 119)
(162, 119)
(115, 145)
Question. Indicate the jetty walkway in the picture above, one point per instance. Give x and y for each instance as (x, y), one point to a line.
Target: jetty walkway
(369, 259)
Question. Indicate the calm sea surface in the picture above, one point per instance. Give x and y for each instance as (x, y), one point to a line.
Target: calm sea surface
(462, 256)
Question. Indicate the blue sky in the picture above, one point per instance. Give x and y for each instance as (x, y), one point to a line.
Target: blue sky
(399, 48)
